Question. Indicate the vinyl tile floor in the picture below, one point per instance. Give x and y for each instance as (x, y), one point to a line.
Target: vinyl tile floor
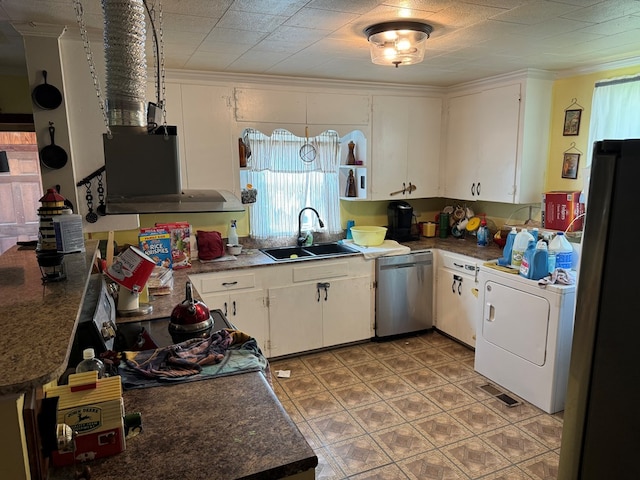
(412, 408)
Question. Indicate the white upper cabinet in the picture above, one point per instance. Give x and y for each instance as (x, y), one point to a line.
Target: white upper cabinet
(270, 106)
(337, 109)
(210, 145)
(293, 110)
(497, 139)
(405, 150)
(206, 142)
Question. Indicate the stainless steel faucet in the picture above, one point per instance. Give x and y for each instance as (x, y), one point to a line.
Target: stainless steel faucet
(301, 238)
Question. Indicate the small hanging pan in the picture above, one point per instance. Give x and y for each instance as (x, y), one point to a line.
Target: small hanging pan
(46, 96)
(53, 156)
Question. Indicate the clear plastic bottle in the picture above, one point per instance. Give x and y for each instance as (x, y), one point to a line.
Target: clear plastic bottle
(90, 363)
(562, 249)
(233, 234)
(520, 244)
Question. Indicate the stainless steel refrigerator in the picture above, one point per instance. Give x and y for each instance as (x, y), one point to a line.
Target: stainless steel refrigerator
(601, 432)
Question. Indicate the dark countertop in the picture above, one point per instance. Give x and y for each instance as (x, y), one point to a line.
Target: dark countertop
(38, 320)
(253, 258)
(204, 434)
(239, 407)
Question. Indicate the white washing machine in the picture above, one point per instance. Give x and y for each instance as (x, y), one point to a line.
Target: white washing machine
(524, 335)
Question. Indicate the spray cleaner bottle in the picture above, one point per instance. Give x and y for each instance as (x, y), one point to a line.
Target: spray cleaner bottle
(482, 234)
(233, 234)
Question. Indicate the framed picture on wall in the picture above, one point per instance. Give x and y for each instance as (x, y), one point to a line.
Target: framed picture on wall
(571, 122)
(570, 165)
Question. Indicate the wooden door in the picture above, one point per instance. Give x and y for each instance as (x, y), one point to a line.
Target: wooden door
(20, 189)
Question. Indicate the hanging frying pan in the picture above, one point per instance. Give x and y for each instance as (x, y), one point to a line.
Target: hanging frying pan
(46, 96)
(53, 156)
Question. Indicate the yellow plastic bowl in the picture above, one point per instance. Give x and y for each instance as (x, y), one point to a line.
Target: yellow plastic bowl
(368, 236)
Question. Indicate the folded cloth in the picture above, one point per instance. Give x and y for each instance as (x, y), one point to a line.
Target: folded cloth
(182, 359)
(386, 248)
(226, 352)
(559, 275)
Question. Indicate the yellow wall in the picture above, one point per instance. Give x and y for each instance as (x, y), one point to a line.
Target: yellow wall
(15, 96)
(564, 91)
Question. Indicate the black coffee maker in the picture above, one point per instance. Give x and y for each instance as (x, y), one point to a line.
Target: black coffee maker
(400, 216)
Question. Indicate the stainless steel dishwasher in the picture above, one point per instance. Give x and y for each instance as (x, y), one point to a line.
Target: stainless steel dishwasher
(404, 293)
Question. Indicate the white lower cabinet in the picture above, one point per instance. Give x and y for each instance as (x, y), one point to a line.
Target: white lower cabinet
(295, 319)
(240, 298)
(318, 314)
(246, 310)
(295, 307)
(457, 297)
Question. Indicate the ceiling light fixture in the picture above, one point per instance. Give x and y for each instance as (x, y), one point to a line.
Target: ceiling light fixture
(398, 42)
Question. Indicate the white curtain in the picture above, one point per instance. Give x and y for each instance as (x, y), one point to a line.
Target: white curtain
(615, 111)
(286, 183)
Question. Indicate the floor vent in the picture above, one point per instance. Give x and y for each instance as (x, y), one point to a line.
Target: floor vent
(500, 395)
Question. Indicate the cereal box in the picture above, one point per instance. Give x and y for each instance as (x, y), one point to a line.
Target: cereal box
(180, 235)
(156, 243)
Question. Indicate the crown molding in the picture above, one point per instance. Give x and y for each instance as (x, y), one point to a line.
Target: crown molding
(601, 67)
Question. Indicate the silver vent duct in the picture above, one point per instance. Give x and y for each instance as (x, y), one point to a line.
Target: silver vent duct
(126, 64)
(142, 166)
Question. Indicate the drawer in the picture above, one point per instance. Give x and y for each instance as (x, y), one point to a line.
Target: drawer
(320, 270)
(459, 263)
(226, 283)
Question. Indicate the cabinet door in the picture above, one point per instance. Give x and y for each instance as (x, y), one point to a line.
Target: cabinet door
(295, 319)
(249, 313)
(423, 162)
(211, 154)
(406, 146)
(500, 109)
(270, 106)
(462, 147)
(346, 314)
(456, 307)
(389, 135)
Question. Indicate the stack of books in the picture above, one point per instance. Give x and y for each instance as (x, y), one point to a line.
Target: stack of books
(161, 281)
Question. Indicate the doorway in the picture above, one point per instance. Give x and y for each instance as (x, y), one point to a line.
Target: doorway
(20, 189)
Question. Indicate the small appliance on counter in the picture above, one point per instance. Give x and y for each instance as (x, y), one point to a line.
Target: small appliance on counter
(400, 218)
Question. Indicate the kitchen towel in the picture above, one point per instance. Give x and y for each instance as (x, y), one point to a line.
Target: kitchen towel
(386, 248)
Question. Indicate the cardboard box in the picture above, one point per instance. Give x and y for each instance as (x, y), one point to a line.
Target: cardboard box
(180, 234)
(560, 208)
(156, 243)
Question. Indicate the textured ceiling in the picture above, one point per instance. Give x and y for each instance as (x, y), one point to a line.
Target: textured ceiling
(471, 39)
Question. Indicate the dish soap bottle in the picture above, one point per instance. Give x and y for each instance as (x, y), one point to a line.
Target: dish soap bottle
(482, 233)
(233, 234)
(90, 363)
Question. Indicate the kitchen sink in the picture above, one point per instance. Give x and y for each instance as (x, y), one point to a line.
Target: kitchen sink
(308, 252)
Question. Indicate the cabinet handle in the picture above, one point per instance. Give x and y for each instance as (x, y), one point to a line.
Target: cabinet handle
(229, 284)
(460, 288)
(453, 286)
(234, 308)
(318, 290)
(473, 189)
(478, 189)
(225, 309)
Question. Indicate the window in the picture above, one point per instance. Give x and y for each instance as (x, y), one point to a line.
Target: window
(614, 111)
(291, 173)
